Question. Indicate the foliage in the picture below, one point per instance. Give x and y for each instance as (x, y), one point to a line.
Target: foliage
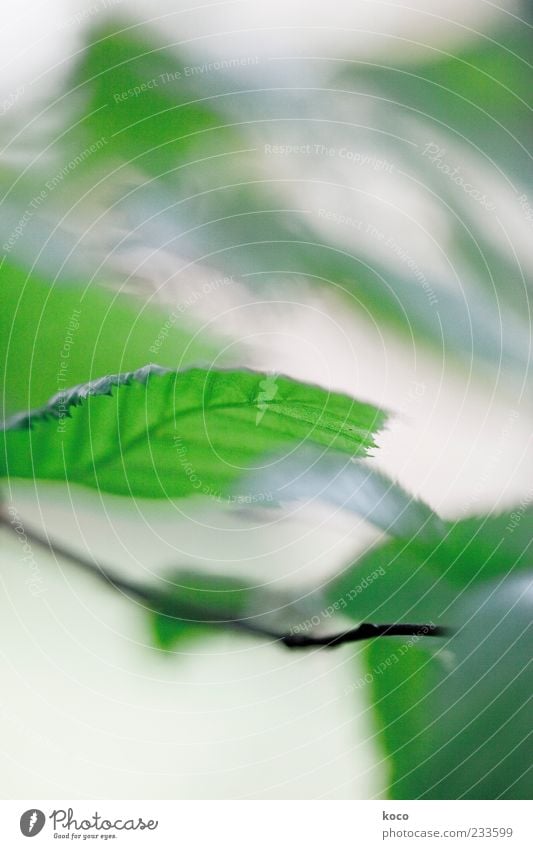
(453, 720)
(171, 433)
(174, 164)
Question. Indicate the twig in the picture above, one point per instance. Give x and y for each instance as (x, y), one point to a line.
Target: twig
(92, 567)
(366, 631)
(163, 604)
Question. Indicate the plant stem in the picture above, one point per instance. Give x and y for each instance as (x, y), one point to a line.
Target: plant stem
(366, 631)
(160, 602)
(90, 566)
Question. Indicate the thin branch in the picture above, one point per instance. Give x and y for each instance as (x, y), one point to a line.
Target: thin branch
(161, 603)
(366, 631)
(91, 566)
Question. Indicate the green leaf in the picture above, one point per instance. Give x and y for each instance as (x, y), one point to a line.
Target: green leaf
(482, 547)
(480, 92)
(213, 197)
(420, 577)
(466, 118)
(196, 604)
(54, 335)
(391, 583)
(456, 722)
(400, 675)
(191, 604)
(169, 632)
(136, 95)
(177, 433)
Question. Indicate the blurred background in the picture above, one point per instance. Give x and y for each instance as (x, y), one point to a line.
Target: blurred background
(340, 192)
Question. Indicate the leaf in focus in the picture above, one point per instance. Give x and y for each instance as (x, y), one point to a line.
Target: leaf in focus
(168, 434)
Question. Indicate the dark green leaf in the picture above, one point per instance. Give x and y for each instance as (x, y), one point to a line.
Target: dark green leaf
(420, 577)
(456, 722)
(195, 604)
(191, 604)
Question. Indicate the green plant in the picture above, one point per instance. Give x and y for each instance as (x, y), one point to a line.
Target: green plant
(103, 417)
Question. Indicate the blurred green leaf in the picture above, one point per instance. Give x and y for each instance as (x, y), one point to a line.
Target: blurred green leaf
(135, 95)
(480, 93)
(456, 722)
(308, 476)
(421, 577)
(195, 604)
(473, 109)
(177, 433)
(169, 632)
(216, 196)
(452, 720)
(54, 335)
(483, 547)
(392, 583)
